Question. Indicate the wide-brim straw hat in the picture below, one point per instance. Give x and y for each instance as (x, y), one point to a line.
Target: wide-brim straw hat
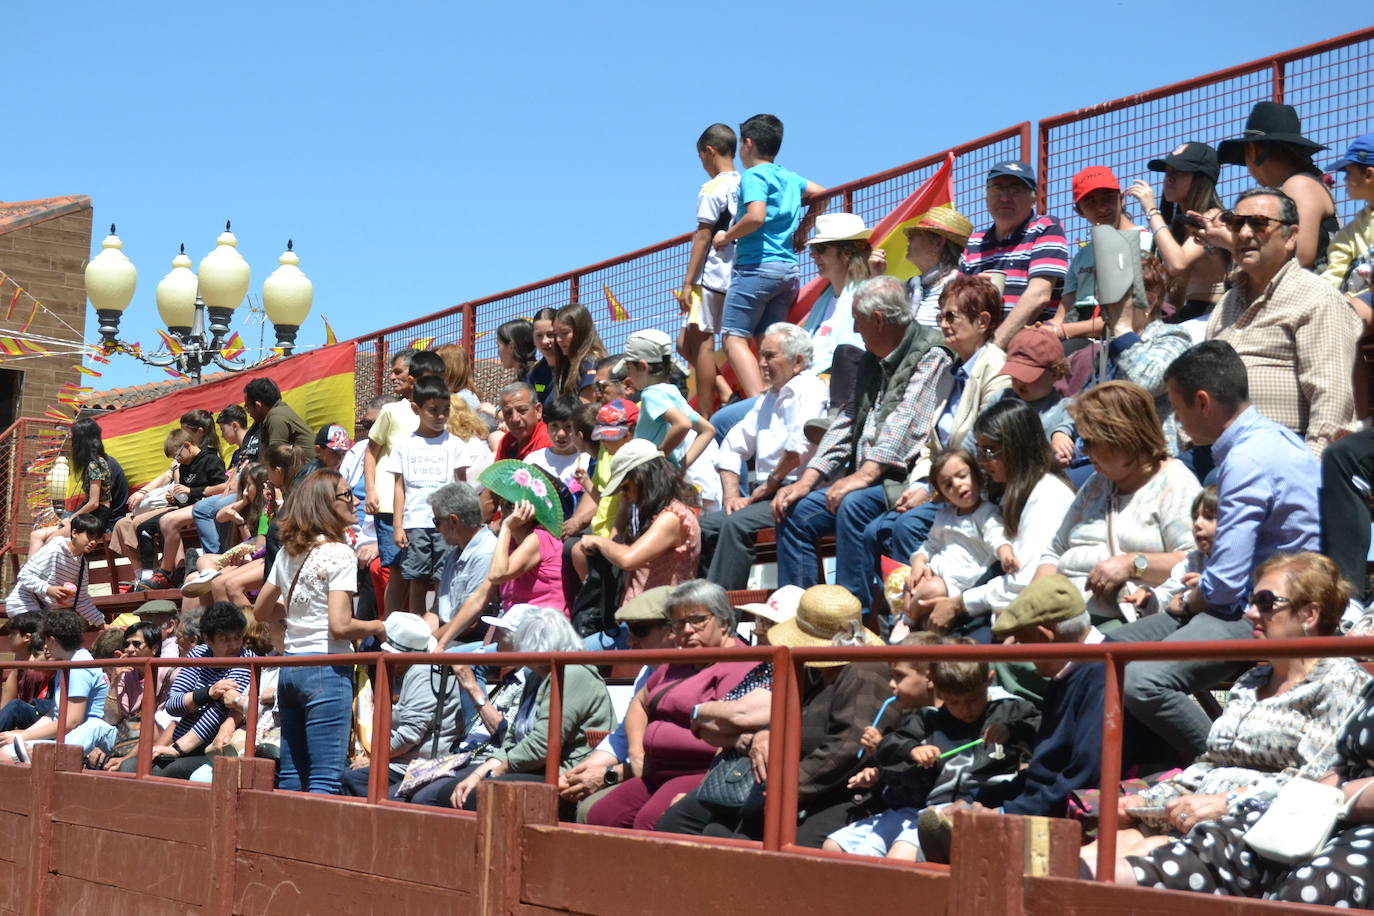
(839, 227)
(824, 612)
(946, 222)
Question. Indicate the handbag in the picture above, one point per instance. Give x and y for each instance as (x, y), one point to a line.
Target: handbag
(1299, 821)
(420, 773)
(728, 783)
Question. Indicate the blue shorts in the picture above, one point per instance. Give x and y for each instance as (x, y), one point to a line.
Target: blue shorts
(759, 295)
(386, 543)
(874, 836)
(420, 560)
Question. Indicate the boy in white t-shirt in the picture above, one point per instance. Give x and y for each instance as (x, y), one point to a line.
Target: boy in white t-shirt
(423, 463)
(564, 457)
(702, 296)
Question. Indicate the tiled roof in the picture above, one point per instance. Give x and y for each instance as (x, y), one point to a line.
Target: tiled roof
(134, 395)
(21, 213)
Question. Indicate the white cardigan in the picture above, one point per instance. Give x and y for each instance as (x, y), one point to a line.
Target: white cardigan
(1041, 517)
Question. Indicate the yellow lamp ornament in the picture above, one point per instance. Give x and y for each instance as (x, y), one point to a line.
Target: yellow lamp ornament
(176, 295)
(224, 279)
(59, 476)
(110, 281)
(286, 295)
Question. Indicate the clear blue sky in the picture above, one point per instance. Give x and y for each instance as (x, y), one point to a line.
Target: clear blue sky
(421, 154)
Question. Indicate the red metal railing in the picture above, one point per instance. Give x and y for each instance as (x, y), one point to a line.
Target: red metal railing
(1331, 83)
(780, 814)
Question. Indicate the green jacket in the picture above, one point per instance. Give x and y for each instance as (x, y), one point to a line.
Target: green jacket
(586, 706)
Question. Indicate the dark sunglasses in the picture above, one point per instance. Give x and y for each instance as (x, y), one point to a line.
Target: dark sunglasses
(1265, 601)
(641, 629)
(1259, 225)
(989, 453)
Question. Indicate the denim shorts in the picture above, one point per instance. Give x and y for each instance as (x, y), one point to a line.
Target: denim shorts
(386, 546)
(420, 560)
(759, 295)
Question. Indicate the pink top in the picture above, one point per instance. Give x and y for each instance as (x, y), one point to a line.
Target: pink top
(543, 585)
(677, 565)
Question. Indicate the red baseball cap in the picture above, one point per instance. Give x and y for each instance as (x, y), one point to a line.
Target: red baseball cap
(1030, 353)
(615, 420)
(1093, 178)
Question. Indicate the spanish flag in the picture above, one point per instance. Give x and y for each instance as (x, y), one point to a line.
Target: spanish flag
(318, 385)
(173, 345)
(329, 338)
(889, 234)
(422, 343)
(232, 347)
(618, 312)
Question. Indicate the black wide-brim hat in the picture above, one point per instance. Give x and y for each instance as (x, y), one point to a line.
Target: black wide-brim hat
(1269, 122)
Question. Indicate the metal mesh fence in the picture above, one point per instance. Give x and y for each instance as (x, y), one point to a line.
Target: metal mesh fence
(1329, 83)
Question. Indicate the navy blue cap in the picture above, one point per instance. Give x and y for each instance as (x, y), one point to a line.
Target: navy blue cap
(1014, 169)
(1361, 152)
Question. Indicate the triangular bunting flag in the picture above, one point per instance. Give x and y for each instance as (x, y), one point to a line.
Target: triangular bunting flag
(618, 312)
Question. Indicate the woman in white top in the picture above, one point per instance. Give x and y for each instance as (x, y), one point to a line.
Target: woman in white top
(1027, 482)
(1131, 523)
(841, 252)
(312, 584)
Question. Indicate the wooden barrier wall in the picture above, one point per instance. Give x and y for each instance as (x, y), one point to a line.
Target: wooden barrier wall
(77, 842)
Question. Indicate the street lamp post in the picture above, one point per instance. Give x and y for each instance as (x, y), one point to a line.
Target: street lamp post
(185, 301)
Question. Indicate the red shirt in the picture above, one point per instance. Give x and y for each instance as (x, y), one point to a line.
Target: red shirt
(509, 448)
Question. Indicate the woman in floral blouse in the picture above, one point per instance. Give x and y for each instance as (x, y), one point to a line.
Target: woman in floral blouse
(1281, 720)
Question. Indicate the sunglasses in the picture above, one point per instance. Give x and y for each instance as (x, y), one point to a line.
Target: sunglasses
(989, 453)
(695, 621)
(1266, 601)
(347, 496)
(1259, 225)
(135, 644)
(641, 629)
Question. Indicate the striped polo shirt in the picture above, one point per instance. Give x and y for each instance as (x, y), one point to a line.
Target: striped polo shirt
(206, 721)
(1036, 249)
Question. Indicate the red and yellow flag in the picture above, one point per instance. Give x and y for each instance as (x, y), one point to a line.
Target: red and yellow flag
(888, 234)
(11, 346)
(34, 347)
(329, 338)
(318, 386)
(618, 312)
(422, 343)
(232, 347)
(173, 345)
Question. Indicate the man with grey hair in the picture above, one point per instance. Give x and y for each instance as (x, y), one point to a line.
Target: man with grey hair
(463, 592)
(771, 435)
(523, 416)
(1295, 332)
(872, 443)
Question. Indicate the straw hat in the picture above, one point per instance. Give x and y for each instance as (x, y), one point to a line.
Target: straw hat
(946, 222)
(823, 612)
(839, 227)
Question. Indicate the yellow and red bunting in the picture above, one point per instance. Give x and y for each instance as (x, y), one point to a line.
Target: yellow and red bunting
(53, 414)
(11, 347)
(29, 320)
(422, 343)
(329, 338)
(888, 234)
(13, 301)
(232, 347)
(86, 370)
(173, 372)
(479, 335)
(618, 312)
(174, 346)
(34, 347)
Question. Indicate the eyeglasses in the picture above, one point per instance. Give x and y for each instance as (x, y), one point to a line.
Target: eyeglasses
(135, 644)
(989, 453)
(1259, 225)
(346, 496)
(1265, 601)
(640, 629)
(948, 317)
(695, 621)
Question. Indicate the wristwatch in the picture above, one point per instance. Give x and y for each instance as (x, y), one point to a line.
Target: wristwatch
(1139, 565)
(612, 776)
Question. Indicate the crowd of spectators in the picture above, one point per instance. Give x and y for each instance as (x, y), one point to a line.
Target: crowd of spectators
(1150, 436)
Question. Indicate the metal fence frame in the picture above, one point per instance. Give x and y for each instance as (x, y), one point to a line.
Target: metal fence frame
(20, 447)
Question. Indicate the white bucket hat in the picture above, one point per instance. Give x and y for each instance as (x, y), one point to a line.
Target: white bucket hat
(839, 227)
(407, 632)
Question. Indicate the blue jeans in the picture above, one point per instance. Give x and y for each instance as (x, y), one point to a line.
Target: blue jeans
(601, 641)
(211, 532)
(808, 520)
(728, 416)
(316, 706)
(898, 534)
(386, 539)
(759, 295)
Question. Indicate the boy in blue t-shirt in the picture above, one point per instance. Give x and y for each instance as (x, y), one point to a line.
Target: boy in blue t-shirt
(768, 224)
(665, 417)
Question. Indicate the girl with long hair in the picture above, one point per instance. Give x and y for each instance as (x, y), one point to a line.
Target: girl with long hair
(458, 374)
(312, 585)
(1023, 478)
(515, 347)
(102, 481)
(579, 349)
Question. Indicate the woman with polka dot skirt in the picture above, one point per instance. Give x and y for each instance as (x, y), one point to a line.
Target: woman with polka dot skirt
(1214, 859)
